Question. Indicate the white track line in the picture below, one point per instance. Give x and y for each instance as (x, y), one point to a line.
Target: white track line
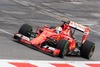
(6, 32)
(14, 12)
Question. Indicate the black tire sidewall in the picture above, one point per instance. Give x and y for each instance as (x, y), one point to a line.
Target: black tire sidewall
(24, 30)
(86, 49)
(52, 27)
(62, 45)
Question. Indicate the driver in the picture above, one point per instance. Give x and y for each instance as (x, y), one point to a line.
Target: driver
(58, 30)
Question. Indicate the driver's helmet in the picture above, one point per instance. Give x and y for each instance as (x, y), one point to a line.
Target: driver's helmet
(58, 30)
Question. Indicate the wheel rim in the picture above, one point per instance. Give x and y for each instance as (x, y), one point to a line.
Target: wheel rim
(91, 51)
(65, 50)
(29, 32)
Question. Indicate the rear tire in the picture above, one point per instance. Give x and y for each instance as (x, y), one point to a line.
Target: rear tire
(87, 49)
(63, 46)
(25, 30)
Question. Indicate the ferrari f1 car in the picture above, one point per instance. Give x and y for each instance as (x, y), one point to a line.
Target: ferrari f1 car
(57, 41)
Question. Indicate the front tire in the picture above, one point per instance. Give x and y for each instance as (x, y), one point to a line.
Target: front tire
(52, 27)
(25, 30)
(87, 49)
(63, 46)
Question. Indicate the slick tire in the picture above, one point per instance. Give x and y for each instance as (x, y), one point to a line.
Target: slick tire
(25, 30)
(63, 46)
(52, 27)
(87, 49)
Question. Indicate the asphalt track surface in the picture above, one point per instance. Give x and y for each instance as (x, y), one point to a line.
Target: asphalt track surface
(14, 13)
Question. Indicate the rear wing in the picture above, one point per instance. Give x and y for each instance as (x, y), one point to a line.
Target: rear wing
(81, 28)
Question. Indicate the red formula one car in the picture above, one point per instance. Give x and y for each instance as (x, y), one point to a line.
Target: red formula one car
(57, 41)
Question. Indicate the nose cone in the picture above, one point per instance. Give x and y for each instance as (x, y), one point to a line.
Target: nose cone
(38, 40)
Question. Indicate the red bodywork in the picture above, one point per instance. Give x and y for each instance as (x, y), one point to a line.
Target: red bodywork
(45, 32)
